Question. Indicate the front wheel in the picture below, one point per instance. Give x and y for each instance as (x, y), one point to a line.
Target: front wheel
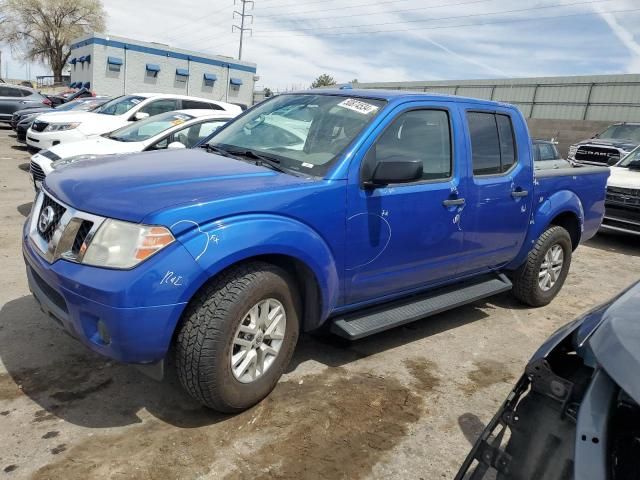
(541, 277)
(238, 337)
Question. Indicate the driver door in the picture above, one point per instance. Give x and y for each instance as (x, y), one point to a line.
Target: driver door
(405, 237)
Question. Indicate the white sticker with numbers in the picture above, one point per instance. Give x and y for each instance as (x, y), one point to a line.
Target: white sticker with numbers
(358, 106)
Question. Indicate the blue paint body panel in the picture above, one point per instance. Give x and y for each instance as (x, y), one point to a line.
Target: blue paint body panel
(363, 246)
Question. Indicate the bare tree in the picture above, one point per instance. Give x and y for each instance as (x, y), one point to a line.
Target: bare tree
(42, 30)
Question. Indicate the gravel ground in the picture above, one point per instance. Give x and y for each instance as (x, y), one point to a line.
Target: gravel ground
(403, 404)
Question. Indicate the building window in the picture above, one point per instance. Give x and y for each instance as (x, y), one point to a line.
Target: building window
(210, 79)
(114, 64)
(152, 70)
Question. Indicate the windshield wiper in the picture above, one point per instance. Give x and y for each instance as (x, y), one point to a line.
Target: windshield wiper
(262, 160)
(219, 151)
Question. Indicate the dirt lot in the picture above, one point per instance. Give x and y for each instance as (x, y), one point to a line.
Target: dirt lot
(403, 404)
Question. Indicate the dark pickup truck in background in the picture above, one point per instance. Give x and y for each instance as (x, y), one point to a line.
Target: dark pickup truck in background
(607, 147)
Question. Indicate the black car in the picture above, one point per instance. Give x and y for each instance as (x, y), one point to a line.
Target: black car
(14, 98)
(575, 413)
(68, 97)
(24, 118)
(607, 147)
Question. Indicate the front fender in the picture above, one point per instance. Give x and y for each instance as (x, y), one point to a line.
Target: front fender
(224, 242)
(544, 211)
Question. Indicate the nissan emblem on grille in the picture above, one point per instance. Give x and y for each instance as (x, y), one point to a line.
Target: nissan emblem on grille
(46, 219)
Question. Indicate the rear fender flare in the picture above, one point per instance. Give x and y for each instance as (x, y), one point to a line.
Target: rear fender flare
(544, 211)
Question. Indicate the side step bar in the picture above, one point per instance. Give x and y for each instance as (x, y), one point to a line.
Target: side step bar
(383, 317)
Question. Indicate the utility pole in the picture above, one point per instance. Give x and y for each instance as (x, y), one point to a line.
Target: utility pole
(241, 27)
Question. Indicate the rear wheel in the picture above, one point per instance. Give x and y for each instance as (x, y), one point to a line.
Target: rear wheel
(238, 337)
(541, 277)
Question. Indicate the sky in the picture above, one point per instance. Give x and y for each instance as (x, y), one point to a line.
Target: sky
(294, 41)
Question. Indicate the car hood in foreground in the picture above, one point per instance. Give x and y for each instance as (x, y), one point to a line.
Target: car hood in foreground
(96, 146)
(132, 186)
(616, 341)
(624, 178)
(90, 123)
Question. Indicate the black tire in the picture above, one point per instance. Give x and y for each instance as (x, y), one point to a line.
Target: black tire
(205, 338)
(526, 287)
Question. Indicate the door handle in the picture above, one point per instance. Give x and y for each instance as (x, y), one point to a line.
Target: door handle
(453, 202)
(519, 193)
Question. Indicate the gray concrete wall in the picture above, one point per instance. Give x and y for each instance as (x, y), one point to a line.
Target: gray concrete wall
(566, 132)
(609, 98)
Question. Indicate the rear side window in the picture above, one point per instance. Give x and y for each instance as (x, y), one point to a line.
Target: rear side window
(546, 151)
(492, 143)
(188, 104)
(10, 92)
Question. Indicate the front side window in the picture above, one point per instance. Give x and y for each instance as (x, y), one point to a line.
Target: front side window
(492, 143)
(303, 132)
(149, 127)
(547, 152)
(120, 105)
(195, 133)
(416, 135)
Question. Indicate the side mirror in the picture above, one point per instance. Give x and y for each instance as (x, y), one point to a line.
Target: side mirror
(140, 116)
(394, 170)
(175, 145)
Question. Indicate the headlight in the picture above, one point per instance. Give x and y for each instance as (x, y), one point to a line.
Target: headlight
(59, 127)
(119, 244)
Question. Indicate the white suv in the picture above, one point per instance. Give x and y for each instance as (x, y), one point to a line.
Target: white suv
(49, 130)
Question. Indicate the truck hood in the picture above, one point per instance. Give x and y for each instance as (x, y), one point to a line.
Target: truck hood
(90, 123)
(625, 145)
(95, 146)
(130, 187)
(624, 178)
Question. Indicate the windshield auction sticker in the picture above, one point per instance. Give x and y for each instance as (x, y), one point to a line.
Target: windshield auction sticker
(358, 106)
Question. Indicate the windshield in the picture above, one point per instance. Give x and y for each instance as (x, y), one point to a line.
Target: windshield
(119, 105)
(632, 160)
(149, 127)
(304, 132)
(622, 132)
(75, 105)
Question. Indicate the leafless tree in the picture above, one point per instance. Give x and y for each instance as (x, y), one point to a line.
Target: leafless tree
(42, 30)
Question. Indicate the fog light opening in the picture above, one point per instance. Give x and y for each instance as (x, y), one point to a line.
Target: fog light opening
(103, 333)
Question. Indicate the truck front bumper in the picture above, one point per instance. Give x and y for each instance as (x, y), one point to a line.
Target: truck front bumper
(140, 335)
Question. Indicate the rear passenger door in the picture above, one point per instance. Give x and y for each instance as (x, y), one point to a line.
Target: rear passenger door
(11, 100)
(496, 217)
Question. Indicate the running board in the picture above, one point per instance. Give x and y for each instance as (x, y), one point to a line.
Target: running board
(380, 318)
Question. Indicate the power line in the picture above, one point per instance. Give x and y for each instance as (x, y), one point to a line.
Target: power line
(199, 19)
(472, 15)
(441, 27)
(384, 12)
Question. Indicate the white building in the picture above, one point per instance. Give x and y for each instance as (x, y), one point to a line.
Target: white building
(115, 66)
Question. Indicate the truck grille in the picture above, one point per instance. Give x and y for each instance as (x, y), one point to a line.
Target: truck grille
(601, 155)
(36, 171)
(623, 196)
(58, 212)
(38, 126)
(81, 236)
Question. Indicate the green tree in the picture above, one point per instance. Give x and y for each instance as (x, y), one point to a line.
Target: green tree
(323, 80)
(267, 92)
(42, 30)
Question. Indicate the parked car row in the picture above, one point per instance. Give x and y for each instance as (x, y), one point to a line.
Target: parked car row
(87, 127)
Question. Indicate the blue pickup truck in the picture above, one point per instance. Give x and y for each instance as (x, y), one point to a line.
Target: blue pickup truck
(354, 211)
